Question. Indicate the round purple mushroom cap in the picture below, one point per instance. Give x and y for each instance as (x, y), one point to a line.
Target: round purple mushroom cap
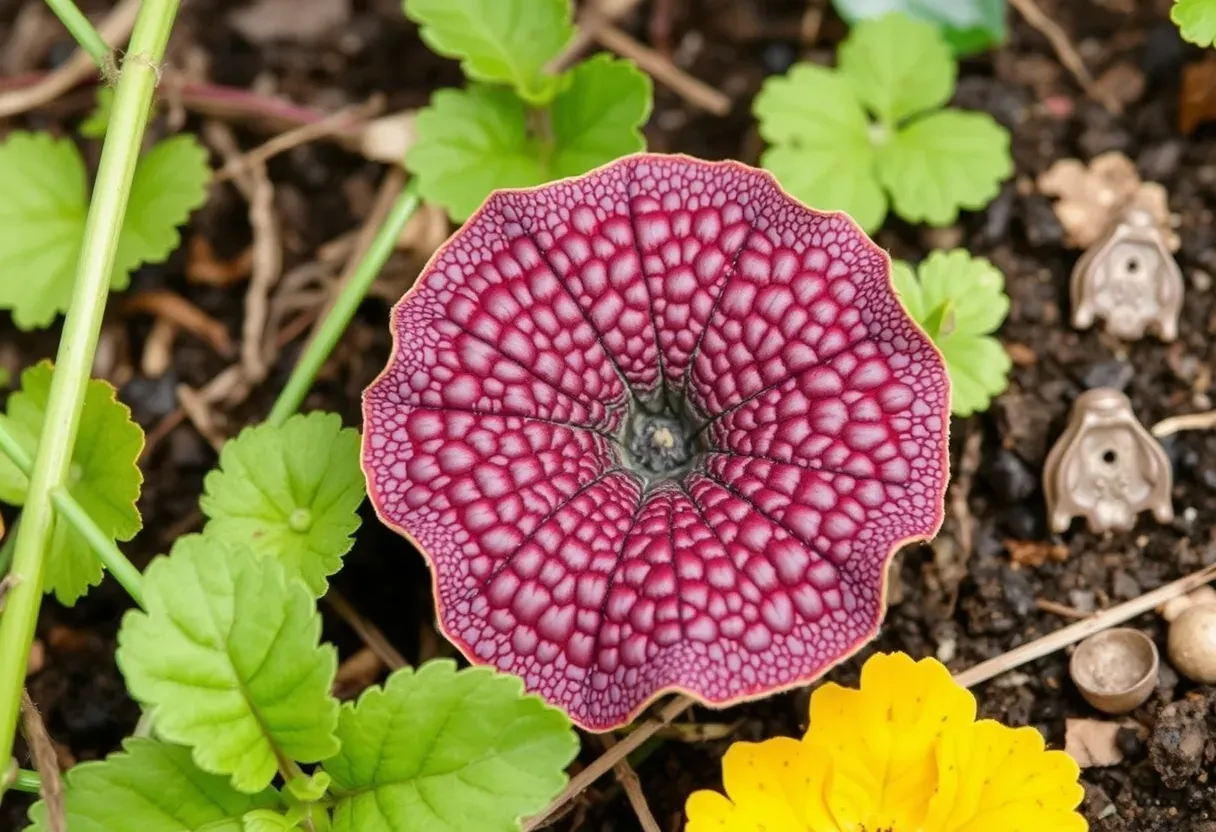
(658, 428)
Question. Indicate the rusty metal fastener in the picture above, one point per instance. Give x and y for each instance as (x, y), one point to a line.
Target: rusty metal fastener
(1106, 467)
(1130, 280)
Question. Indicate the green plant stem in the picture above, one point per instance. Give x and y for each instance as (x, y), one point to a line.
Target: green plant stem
(82, 30)
(82, 325)
(72, 512)
(115, 561)
(339, 316)
(27, 781)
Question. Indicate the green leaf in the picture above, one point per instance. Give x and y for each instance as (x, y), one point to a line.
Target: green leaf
(299, 508)
(469, 143)
(969, 26)
(899, 66)
(104, 476)
(170, 182)
(498, 41)
(974, 290)
(95, 123)
(42, 217)
(472, 142)
(150, 786)
(227, 659)
(821, 151)
(41, 225)
(599, 117)
(1196, 19)
(436, 750)
(943, 162)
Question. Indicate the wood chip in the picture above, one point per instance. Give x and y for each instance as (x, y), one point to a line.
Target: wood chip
(1093, 743)
(1035, 553)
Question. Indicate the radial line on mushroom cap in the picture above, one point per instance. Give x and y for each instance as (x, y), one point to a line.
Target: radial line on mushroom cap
(553, 512)
(599, 336)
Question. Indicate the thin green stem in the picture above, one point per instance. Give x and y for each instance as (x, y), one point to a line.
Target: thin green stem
(27, 781)
(82, 325)
(339, 316)
(89, 38)
(101, 543)
(115, 561)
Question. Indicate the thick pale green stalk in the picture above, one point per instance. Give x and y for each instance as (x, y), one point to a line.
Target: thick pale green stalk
(336, 321)
(84, 33)
(132, 105)
(74, 514)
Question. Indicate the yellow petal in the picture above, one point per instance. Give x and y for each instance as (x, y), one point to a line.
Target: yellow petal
(766, 787)
(993, 778)
(881, 738)
(712, 812)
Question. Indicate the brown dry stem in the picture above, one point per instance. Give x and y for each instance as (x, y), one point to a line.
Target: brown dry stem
(115, 29)
(664, 70)
(628, 779)
(46, 762)
(1065, 51)
(368, 632)
(330, 125)
(172, 307)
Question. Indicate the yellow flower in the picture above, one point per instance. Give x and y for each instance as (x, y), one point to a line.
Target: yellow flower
(904, 753)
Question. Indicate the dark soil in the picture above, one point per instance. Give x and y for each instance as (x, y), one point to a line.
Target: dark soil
(963, 599)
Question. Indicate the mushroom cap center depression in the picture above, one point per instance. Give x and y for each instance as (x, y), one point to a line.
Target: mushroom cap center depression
(660, 446)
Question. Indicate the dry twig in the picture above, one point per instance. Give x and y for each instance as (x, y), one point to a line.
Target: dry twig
(604, 763)
(1073, 633)
(183, 314)
(1188, 421)
(662, 69)
(330, 125)
(114, 29)
(1061, 610)
(584, 38)
(255, 185)
(1065, 51)
(197, 409)
(45, 761)
(628, 779)
(368, 632)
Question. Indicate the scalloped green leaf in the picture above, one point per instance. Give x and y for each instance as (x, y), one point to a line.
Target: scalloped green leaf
(820, 147)
(943, 162)
(42, 217)
(151, 786)
(960, 300)
(1196, 20)
(599, 116)
(298, 508)
(499, 41)
(898, 66)
(441, 750)
(170, 182)
(104, 477)
(475, 141)
(227, 659)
